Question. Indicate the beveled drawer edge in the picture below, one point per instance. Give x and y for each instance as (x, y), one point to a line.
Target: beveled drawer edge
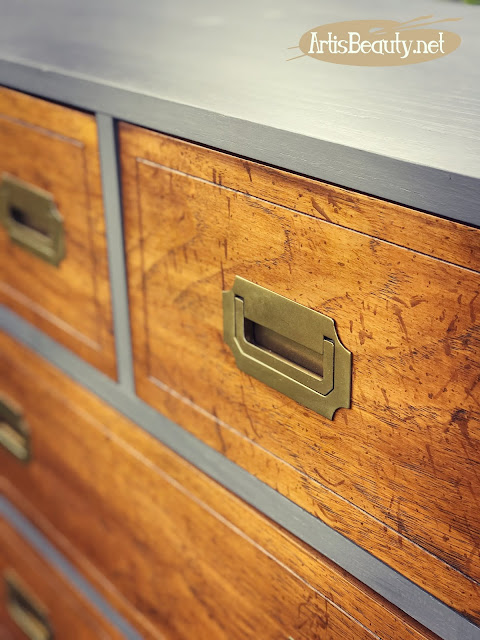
(37, 540)
(433, 614)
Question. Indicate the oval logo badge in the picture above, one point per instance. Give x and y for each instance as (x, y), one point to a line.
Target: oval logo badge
(378, 43)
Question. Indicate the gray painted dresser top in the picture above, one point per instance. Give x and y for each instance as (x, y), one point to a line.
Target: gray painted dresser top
(217, 73)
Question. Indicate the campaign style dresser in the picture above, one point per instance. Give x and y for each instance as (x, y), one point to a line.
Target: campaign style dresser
(239, 362)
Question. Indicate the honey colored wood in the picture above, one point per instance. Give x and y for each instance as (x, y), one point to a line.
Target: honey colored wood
(149, 530)
(56, 149)
(428, 234)
(70, 615)
(398, 472)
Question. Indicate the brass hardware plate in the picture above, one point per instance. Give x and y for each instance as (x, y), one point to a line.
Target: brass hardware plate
(31, 219)
(14, 432)
(289, 347)
(24, 609)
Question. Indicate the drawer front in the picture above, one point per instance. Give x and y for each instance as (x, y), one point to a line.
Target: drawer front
(150, 530)
(35, 600)
(398, 471)
(53, 264)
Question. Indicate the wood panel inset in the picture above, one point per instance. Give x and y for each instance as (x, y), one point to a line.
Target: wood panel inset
(398, 472)
(70, 614)
(56, 149)
(149, 530)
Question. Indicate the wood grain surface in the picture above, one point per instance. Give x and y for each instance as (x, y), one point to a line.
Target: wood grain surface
(431, 235)
(398, 472)
(70, 615)
(173, 551)
(394, 132)
(56, 149)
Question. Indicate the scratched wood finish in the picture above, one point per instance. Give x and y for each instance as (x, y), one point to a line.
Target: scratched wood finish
(444, 239)
(68, 612)
(397, 473)
(56, 149)
(149, 529)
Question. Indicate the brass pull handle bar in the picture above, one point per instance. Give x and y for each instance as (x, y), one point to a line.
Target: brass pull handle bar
(289, 347)
(14, 431)
(25, 610)
(31, 219)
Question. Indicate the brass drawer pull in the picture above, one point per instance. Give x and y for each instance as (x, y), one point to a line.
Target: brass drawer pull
(14, 432)
(25, 610)
(31, 219)
(287, 346)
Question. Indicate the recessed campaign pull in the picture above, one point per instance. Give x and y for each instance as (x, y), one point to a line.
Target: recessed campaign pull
(287, 346)
(313, 368)
(14, 432)
(24, 609)
(272, 341)
(31, 219)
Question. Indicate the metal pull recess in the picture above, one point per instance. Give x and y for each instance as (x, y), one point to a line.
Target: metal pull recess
(31, 219)
(14, 432)
(287, 346)
(24, 609)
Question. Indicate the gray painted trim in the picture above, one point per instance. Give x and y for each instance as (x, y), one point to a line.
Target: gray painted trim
(446, 194)
(115, 247)
(54, 557)
(403, 593)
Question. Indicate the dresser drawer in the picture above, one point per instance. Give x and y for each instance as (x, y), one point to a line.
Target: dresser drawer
(35, 600)
(149, 529)
(53, 264)
(398, 471)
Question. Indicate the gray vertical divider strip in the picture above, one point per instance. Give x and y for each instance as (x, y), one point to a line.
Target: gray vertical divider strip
(56, 559)
(407, 596)
(115, 245)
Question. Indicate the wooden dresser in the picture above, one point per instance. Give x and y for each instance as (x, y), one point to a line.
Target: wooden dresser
(239, 359)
